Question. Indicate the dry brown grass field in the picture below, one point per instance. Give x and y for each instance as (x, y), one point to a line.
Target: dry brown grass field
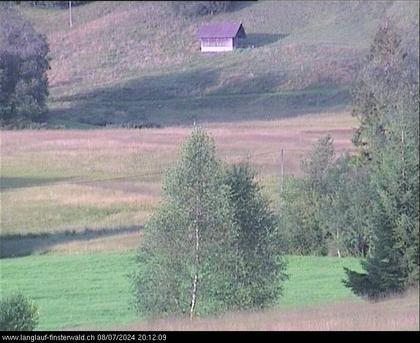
(84, 187)
(398, 313)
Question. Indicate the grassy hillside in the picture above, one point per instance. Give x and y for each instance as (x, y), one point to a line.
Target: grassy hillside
(81, 291)
(137, 62)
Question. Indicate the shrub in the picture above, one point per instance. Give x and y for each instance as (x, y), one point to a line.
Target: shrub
(18, 313)
(200, 8)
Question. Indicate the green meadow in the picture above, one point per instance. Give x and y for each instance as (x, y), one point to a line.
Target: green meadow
(92, 290)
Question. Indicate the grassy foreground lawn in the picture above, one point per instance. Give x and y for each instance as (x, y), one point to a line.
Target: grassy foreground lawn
(92, 291)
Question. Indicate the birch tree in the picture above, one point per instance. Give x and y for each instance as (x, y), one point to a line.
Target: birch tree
(186, 264)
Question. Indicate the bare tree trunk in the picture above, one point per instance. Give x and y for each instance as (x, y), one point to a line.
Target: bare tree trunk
(70, 18)
(195, 281)
(281, 171)
(402, 148)
(338, 244)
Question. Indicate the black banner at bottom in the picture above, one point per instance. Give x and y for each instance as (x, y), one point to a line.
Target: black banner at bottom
(173, 336)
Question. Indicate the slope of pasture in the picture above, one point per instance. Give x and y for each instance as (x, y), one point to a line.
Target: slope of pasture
(77, 188)
(92, 291)
(138, 62)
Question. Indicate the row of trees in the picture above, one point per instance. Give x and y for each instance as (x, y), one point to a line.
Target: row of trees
(367, 204)
(325, 211)
(387, 105)
(51, 4)
(188, 8)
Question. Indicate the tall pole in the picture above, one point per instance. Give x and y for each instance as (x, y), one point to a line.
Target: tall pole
(70, 19)
(281, 171)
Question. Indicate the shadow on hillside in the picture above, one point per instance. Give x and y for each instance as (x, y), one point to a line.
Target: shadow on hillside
(265, 83)
(23, 245)
(9, 183)
(238, 5)
(258, 40)
(195, 96)
(147, 100)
